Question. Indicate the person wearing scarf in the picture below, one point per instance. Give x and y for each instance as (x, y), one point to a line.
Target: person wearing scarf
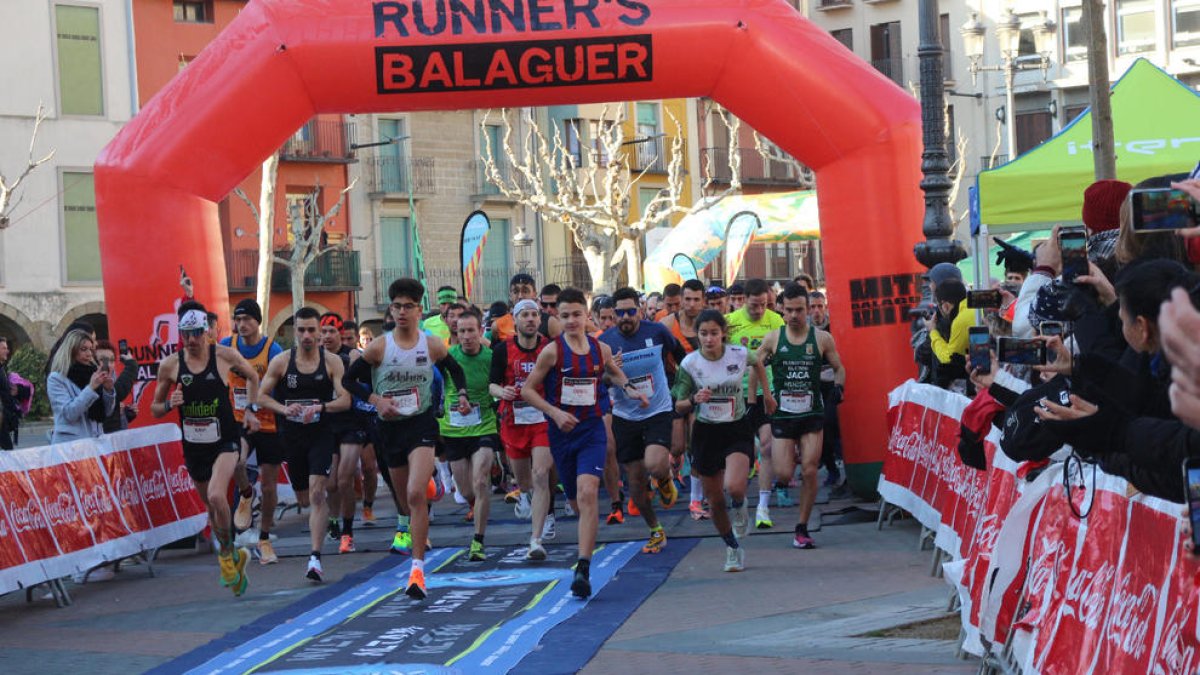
(74, 386)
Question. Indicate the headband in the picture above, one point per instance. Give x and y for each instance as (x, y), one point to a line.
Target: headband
(523, 305)
(193, 319)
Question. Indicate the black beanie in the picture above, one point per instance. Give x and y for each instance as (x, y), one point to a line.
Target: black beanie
(250, 308)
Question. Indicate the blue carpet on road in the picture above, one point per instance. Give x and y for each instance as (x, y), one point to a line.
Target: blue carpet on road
(497, 616)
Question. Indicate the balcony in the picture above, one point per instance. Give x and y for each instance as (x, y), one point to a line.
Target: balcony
(332, 271)
(824, 5)
(390, 175)
(992, 161)
(320, 141)
(756, 170)
(485, 190)
(652, 155)
(892, 68)
(571, 271)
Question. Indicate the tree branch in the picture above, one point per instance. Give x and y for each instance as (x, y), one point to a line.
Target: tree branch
(7, 188)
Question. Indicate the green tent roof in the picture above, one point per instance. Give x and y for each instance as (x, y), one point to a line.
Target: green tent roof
(1156, 127)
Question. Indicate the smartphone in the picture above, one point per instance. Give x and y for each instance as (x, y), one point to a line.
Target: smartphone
(122, 347)
(1073, 245)
(979, 351)
(1051, 329)
(1021, 351)
(1161, 209)
(1191, 495)
(990, 299)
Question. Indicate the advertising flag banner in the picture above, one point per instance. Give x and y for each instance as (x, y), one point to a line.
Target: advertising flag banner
(474, 236)
(685, 266)
(737, 240)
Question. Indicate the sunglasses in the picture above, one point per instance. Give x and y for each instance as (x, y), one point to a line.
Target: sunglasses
(628, 311)
(548, 305)
(193, 332)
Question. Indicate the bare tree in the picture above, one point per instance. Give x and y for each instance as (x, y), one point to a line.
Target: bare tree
(594, 198)
(773, 154)
(264, 215)
(9, 188)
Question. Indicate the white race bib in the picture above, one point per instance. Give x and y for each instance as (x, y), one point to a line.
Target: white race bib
(644, 385)
(304, 403)
(241, 398)
(201, 430)
(578, 391)
(407, 400)
(717, 410)
(795, 402)
(471, 419)
(523, 413)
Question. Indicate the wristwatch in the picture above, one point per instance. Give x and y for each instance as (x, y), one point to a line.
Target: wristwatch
(254, 407)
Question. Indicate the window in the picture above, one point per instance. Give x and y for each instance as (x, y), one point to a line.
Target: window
(300, 204)
(571, 142)
(193, 11)
(1074, 34)
(944, 33)
(886, 52)
(1185, 22)
(779, 258)
(80, 77)
(1028, 45)
(81, 240)
(391, 165)
(649, 151)
(395, 254)
(1071, 112)
(1033, 128)
(1135, 26)
(844, 36)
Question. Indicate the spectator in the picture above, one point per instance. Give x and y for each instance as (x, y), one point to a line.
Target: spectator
(120, 387)
(1017, 262)
(11, 395)
(75, 383)
(1102, 204)
(948, 331)
(1179, 323)
(1131, 246)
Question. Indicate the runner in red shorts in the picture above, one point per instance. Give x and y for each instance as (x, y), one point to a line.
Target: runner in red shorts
(522, 426)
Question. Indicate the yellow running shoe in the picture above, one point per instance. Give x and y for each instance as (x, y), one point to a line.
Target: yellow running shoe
(657, 542)
(233, 570)
(668, 494)
(266, 552)
(402, 543)
(512, 497)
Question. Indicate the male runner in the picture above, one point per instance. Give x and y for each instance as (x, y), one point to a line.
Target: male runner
(682, 325)
(210, 431)
(573, 367)
(831, 451)
(717, 299)
(549, 299)
(470, 439)
(349, 436)
(400, 365)
(672, 301)
(796, 352)
(523, 427)
(438, 324)
(267, 446)
(308, 380)
(642, 434)
(523, 287)
(737, 296)
(748, 327)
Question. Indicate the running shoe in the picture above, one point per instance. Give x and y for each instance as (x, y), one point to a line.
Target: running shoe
(476, 554)
(548, 528)
(762, 517)
(568, 511)
(668, 494)
(616, 516)
(416, 585)
(368, 515)
(346, 545)
(783, 499)
(803, 540)
(559, 489)
(335, 529)
(536, 550)
(698, 512)
(581, 587)
(233, 570)
(754, 469)
(632, 508)
(402, 543)
(512, 497)
(266, 553)
(741, 521)
(735, 559)
(243, 518)
(470, 517)
(833, 477)
(315, 573)
(523, 508)
(657, 542)
(458, 498)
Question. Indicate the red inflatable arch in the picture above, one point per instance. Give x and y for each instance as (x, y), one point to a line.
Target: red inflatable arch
(283, 61)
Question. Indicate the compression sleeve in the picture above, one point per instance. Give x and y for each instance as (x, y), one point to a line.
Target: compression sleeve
(357, 379)
(499, 364)
(450, 367)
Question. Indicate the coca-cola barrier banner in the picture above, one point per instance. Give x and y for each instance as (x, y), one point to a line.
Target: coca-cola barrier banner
(67, 508)
(1108, 593)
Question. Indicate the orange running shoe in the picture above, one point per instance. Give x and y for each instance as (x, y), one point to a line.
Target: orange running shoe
(416, 585)
(632, 508)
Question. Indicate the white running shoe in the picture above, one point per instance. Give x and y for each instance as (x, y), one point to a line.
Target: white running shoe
(568, 511)
(762, 517)
(548, 528)
(741, 521)
(523, 509)
(315, 573)
(735, 559)
(536, 550)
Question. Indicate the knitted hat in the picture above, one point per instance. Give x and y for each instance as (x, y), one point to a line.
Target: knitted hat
(248, 307)
(1102, 204)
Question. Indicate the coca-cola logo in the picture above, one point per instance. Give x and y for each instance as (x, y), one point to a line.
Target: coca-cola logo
(1043, 570)
(180, 480)
(986, 534)
(127, 492)
(1129, 617)
(153, 486)
(61, 511)
(27, 517)
(1087, 594)
(1176, 656)
(95, 501)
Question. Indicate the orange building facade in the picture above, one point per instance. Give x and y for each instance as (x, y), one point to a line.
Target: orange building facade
(171, 33)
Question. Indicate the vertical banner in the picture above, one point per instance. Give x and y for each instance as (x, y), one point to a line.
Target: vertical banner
(737, 240)
(683, 264)
(474, 236)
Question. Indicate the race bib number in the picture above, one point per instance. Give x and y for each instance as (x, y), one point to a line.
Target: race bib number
(241, 398)
(795, 402)
(578, 391)
(523, 413)
(407, 400)
(644, 385)
(471, 419)
(717, 410)
(304, 403)
(201, 430)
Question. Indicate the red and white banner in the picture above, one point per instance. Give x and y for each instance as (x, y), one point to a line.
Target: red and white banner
(1103, 594)
(67, 508)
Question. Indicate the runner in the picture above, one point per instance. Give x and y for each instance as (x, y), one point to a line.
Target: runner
(710, 382)
(267, 446)
(523, 427)
(796, 352)
(470, 439)
(748, 327)
(349, 436)
(576, 398)
(308, 380)
(641, 433)
(400, 365)
(682, 325)
(523, 287)
(210, 431)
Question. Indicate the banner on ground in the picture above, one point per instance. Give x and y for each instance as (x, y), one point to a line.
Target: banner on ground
(474, 237)
(67, 508)
(1103, 593)
(737, 240)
